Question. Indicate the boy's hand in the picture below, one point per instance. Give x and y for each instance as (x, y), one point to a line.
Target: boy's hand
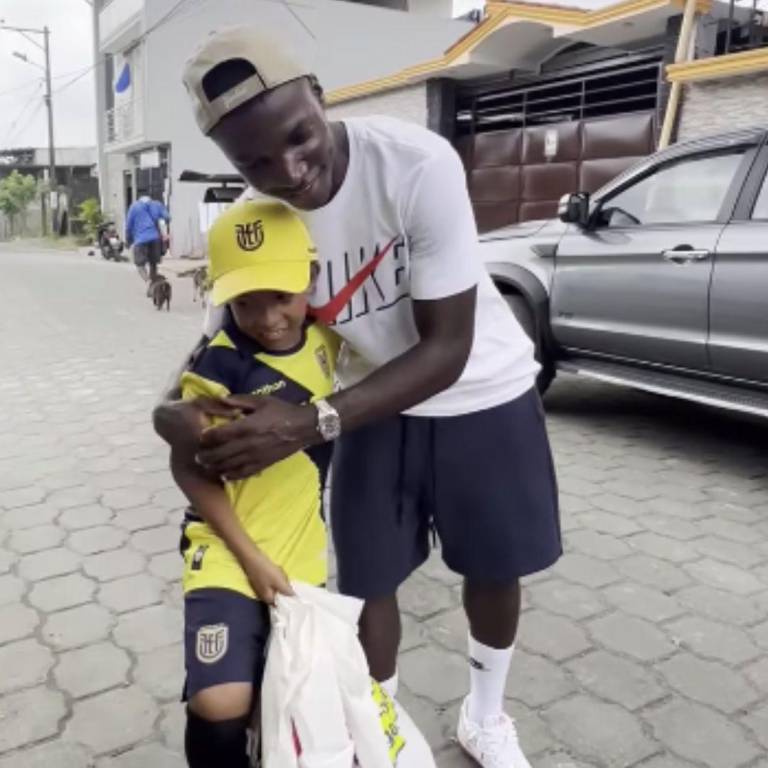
(267, 579)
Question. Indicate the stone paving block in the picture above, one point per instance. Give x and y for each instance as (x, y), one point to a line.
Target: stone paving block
(112, 721)
(145, 756)
(667, 761)
(566, 599)
(760, 634)
(85, 517)
(724, 576)
(727, 529)
(153, 541)
(131, 592)
(616, 679)
(643, 601)
(735, 512)
(11, 589)
(420, 597)
(167, 566)
(29, 716)
(16, 621)
(449, 629)
(414, 633)
(609, 523)
(556, 637)
(654, 573)
(77, 626)
(92, 669)
(170, 498)
(729, 551)
(721, 606)
(52, 562)
(100, 538)
(573, 505)
(125, 498)
(708, 682)
(676, 508)
(535, 681)
(51, 755)
(149, 629)
(161, 672)
(698, 734)
(109, 480)
(634, 491)
(586, 570)
(711, 640)
(7, 560)
(21, 497)
(602, 732)
(757, 673)
(757, 720)
(62, 592)
(672, 527)
(631, 636)
(603, 546)
(105, 464)
(29, 517)
(663, 547)
(28, 540)
(437, 570)
(143, 517)
(24, 663)
(79, 496)
(435, 674)
(172, 725)
(107, 566)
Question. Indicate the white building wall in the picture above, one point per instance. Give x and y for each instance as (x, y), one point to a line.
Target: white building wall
(408, 103)
(719, 106)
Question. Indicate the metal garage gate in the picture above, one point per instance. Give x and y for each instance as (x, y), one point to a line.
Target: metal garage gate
(525, 145)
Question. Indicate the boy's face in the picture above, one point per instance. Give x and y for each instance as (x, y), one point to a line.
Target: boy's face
(273, 319)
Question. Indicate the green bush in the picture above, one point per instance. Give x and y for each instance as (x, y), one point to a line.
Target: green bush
(16, 193)
(91, 217)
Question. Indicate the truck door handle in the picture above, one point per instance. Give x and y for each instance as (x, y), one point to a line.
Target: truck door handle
(685, 255)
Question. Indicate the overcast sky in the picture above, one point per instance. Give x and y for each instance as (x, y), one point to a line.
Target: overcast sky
(22, 112)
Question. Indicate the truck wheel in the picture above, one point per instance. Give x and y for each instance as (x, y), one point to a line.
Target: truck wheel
(525, 317)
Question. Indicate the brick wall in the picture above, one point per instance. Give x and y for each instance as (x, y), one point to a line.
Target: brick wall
(406, 103)
(719, 106)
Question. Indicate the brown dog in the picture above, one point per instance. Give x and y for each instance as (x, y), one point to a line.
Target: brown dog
(160, 292)
(200, 285)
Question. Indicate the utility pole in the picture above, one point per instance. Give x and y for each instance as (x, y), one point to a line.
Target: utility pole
(49, 106)
(46, 48)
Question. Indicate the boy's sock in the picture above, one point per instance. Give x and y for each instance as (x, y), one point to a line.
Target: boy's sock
(390, 686)
(222, 744)
(488, 668)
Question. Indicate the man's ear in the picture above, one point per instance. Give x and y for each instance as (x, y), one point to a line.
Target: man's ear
(317, 89)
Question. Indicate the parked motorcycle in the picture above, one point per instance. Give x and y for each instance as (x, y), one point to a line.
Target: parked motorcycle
(109, 241)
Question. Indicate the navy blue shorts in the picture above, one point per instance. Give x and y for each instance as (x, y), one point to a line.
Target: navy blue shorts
(225, 637)
(484, 482)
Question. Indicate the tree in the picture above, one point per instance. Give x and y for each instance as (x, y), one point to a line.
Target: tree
(91, 217)
(16, 193)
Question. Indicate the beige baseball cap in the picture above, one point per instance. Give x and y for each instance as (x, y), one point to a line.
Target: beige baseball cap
(272, 63)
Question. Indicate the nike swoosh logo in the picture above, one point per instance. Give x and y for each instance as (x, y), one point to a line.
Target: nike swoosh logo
(330, 311)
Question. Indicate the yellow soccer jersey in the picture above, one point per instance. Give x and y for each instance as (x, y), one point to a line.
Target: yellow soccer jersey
(280, 508)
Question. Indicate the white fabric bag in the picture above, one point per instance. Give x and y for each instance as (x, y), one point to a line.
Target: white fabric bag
(317, 693)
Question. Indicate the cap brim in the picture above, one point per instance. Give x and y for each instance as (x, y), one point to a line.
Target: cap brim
(288, 276)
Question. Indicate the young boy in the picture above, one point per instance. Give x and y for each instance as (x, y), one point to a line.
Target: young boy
(243, 541)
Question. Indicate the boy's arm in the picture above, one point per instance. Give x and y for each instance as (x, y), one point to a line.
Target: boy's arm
(210, 501)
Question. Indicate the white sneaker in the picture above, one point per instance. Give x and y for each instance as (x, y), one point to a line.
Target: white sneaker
(492, 743)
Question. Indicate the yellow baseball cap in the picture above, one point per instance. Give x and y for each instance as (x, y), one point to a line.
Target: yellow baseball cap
(258, 246)
(271, 63)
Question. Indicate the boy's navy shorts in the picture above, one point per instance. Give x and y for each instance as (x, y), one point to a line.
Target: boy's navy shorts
(225, 637)
(483, 482)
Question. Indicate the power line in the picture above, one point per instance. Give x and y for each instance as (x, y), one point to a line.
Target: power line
(27, 104)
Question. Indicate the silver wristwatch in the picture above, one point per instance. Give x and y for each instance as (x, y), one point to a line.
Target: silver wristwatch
(328, 420)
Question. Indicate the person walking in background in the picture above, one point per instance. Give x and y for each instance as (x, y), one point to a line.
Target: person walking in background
(145, 230)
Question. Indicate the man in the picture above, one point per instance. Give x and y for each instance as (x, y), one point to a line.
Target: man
(438, 425)
(145, 230)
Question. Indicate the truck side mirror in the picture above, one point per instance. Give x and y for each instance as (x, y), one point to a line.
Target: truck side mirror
(574, 209)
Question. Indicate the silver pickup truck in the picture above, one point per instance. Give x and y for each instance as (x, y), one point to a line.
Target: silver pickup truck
(658, 281)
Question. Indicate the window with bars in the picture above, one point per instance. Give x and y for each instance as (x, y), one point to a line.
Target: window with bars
(613, 89)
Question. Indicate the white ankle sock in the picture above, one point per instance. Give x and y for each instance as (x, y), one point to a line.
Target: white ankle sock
(488, 668)
(390, 686)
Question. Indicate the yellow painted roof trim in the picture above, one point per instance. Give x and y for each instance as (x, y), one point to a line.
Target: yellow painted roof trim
(716, 67)
(497, 15)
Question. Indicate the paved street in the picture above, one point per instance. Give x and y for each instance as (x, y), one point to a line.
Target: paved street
(646, 646)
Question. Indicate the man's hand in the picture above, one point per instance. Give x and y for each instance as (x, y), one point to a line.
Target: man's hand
(181, 422)
(268, 430)
(267, 579)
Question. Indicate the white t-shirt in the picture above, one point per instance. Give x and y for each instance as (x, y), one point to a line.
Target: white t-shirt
(404, 203)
